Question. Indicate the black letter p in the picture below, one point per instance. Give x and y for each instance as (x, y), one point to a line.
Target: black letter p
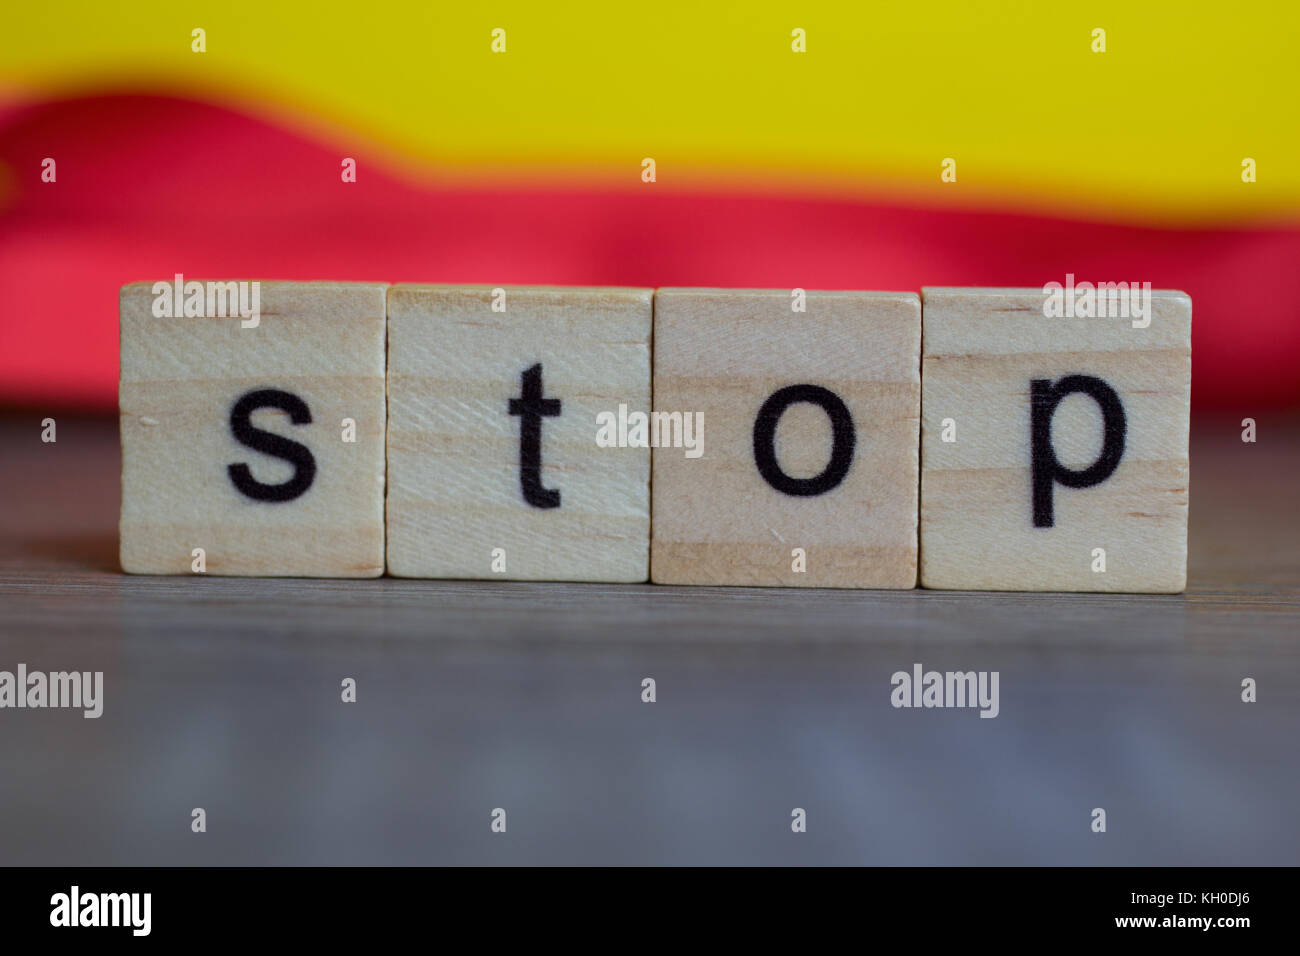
(1044, 397)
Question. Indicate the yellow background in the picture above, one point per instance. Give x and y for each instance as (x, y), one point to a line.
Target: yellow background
(1154, 129)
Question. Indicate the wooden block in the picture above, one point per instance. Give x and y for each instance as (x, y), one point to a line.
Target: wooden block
(810, 438)
(1070, 440)
(233, 434)
(494, 468)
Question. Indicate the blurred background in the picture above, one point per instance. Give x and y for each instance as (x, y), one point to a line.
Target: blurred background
(772, 168)
(775, 168)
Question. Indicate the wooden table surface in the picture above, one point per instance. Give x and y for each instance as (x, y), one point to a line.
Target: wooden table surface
(225, 694)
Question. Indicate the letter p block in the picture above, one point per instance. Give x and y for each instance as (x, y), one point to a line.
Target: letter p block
(1071, 436)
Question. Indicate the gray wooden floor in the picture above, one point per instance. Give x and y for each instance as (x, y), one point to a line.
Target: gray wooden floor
(224, 694)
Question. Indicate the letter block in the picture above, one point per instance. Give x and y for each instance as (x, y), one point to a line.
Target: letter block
(811, 418)
(493, 462)
(1054, 450)
(237, 457)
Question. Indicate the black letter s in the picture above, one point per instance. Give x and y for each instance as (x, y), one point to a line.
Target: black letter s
(271, 444)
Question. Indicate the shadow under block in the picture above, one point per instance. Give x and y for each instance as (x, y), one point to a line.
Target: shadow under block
(313, 502)
(493, 464)
(790, 400)
(1108, 403)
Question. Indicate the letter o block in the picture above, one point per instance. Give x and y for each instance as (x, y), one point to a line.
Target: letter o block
(231, 435)
(810, 428)
(1071, 436)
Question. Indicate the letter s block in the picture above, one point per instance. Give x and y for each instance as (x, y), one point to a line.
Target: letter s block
(1066, 463)
(233, 435)
(810, 434)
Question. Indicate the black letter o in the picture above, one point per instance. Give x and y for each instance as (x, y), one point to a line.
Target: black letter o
(842, 440)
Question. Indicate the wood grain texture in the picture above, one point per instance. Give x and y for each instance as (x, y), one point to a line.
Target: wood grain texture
(982, 350)
(723, 353)
(180, 379)
(478, 694)
(454, 448)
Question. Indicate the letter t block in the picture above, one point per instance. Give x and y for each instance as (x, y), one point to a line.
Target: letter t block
(495, 398)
